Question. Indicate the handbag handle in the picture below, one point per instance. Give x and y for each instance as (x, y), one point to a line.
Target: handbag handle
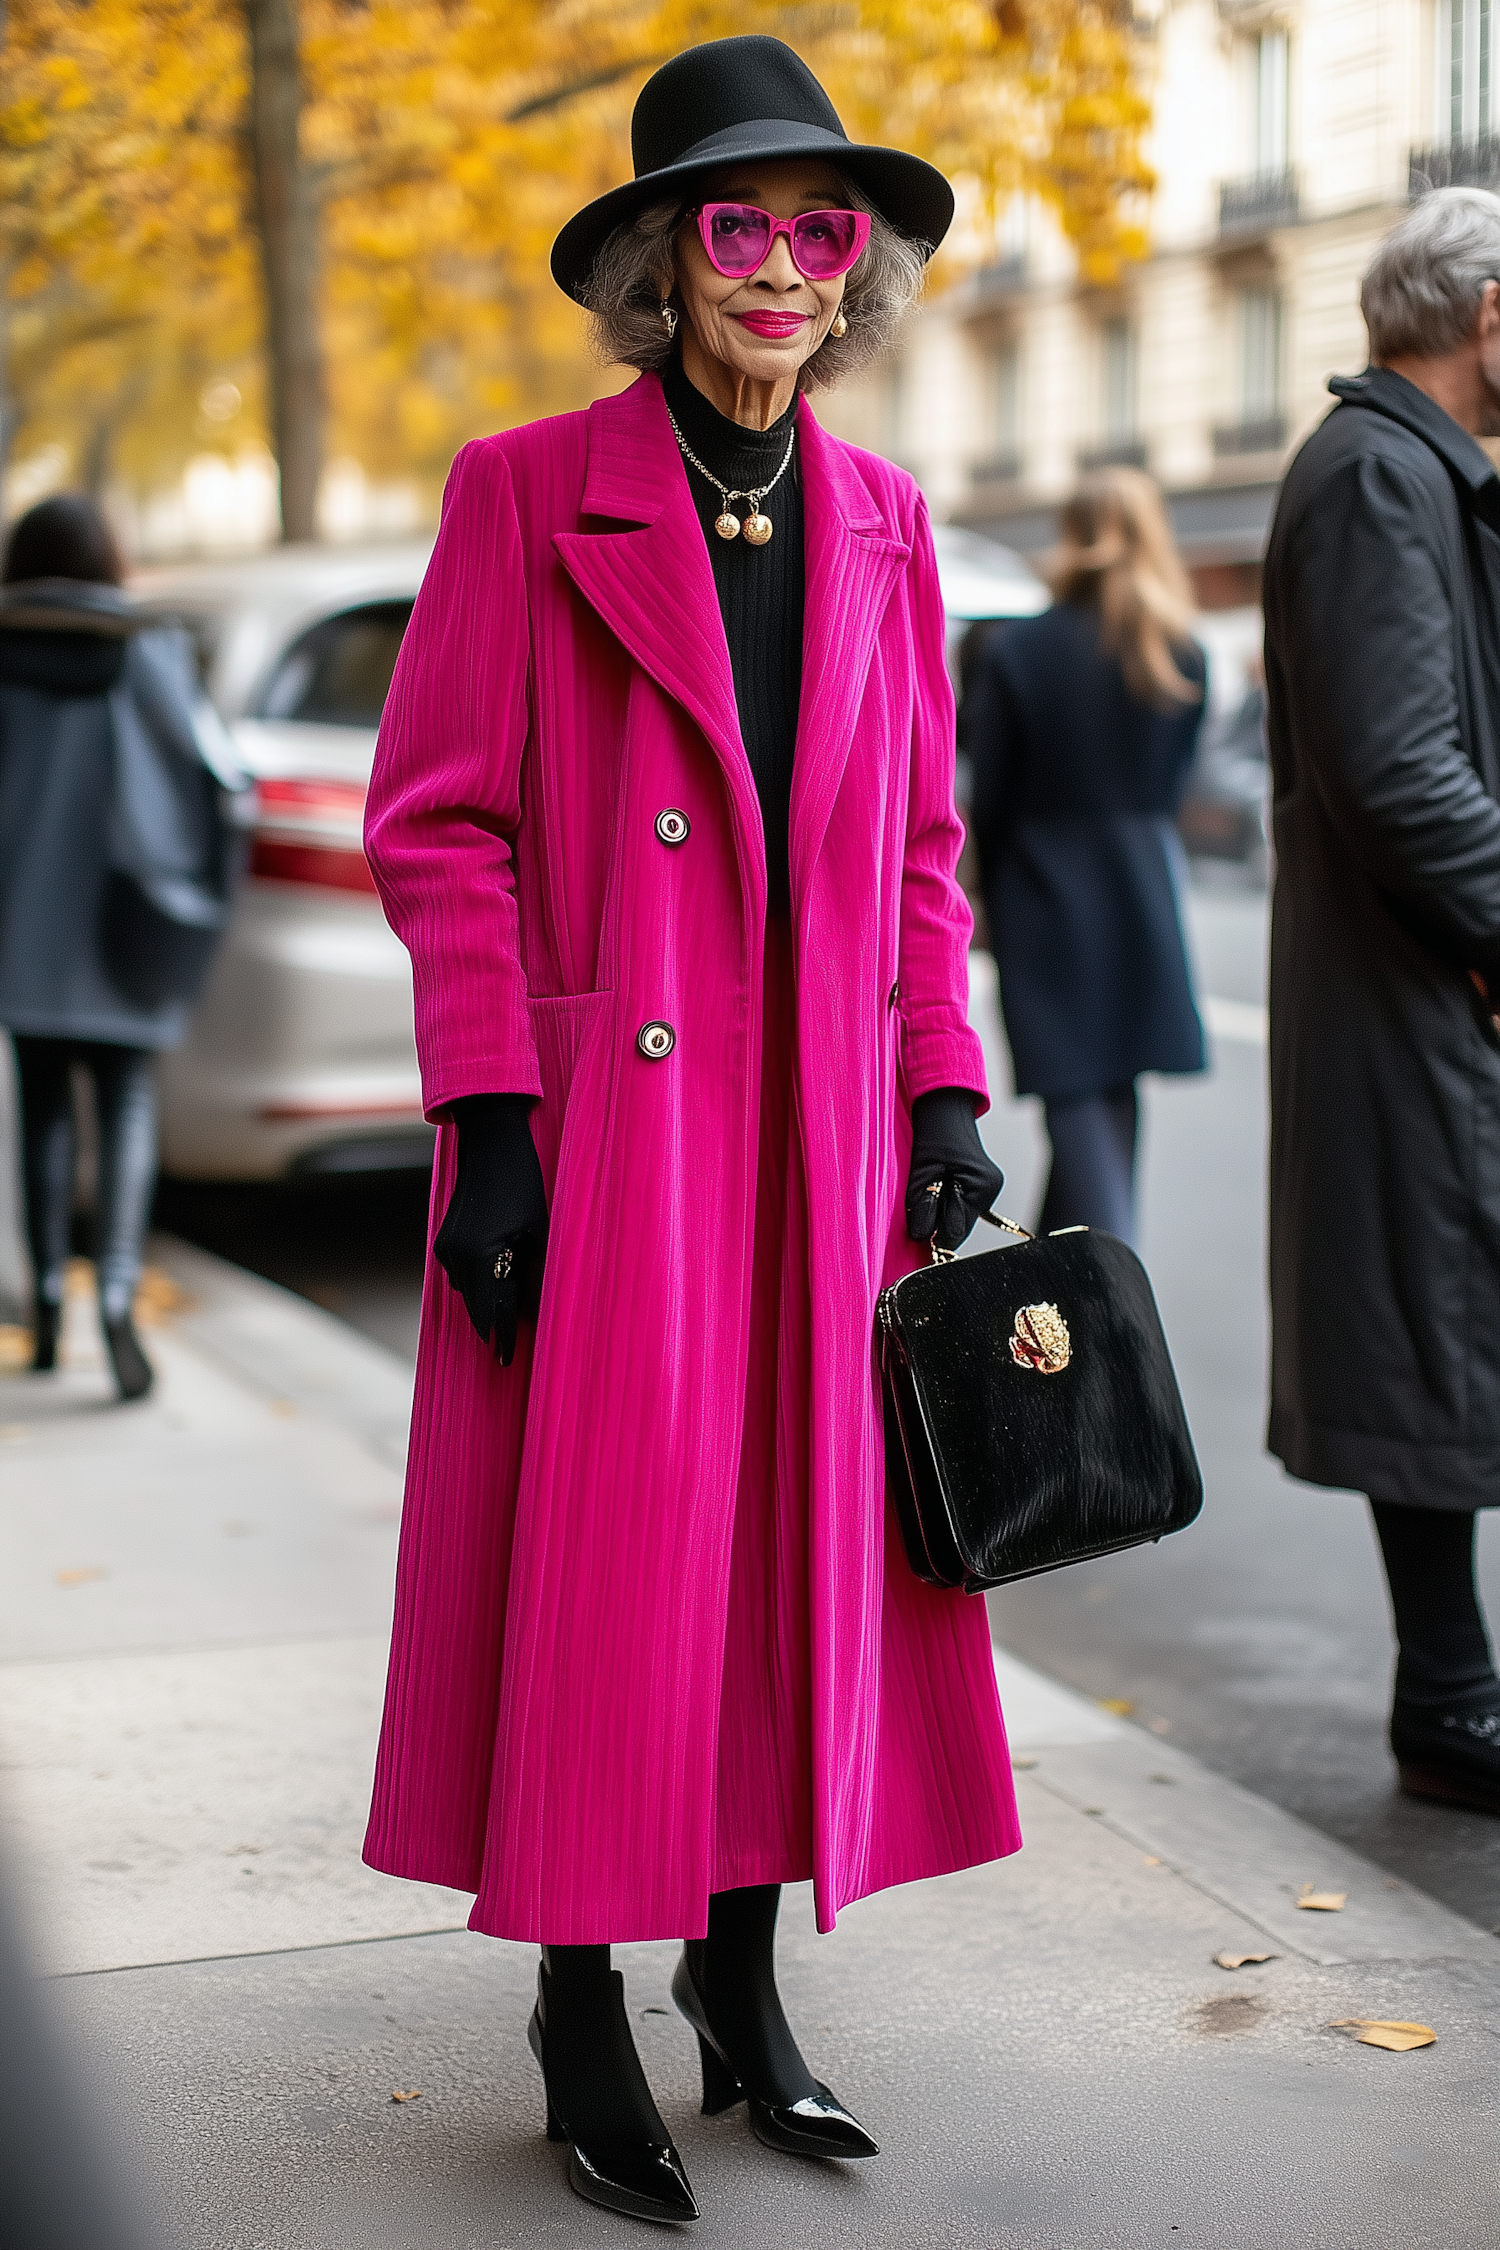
(993, 1218)
(1006, 1226)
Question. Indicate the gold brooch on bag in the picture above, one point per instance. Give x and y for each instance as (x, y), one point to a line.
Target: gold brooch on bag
(1041, 1340)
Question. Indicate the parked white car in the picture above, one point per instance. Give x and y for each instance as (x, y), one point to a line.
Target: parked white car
(301, 1059)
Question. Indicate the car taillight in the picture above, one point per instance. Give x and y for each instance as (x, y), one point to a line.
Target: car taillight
(311, 832)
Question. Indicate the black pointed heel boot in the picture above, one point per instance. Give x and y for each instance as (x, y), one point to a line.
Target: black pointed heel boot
(620, 2154)
(134, 1375)
(791, 2111)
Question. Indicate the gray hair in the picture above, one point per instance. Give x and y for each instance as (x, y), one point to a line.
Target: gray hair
(1422, 290)
(633, 272)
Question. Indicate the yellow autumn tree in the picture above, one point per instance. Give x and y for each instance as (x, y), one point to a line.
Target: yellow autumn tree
(467, 135)
(126, 273)
(432, 148)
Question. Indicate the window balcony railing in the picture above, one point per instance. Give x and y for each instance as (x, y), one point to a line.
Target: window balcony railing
(1258, 203)
(1262, 433)
(1474, 163)
(1116, 453)
(998, 468)
(1001, 278)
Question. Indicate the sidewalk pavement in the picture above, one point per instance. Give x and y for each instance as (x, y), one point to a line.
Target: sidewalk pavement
(193, 1610)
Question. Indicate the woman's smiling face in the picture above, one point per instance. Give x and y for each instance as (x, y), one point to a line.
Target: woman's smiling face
(750, 338)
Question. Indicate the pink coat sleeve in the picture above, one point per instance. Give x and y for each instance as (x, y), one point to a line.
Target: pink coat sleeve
(938, 1048)
(445, 795)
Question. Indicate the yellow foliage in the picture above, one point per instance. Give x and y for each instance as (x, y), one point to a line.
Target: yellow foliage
(128, 273)
(450, 139)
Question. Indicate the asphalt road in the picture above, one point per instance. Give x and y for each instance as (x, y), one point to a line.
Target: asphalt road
(1258, 1640)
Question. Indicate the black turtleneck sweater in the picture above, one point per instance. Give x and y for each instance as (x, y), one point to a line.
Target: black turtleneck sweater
(761, 593)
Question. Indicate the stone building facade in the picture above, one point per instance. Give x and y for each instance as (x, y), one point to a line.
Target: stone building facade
(1288, 136)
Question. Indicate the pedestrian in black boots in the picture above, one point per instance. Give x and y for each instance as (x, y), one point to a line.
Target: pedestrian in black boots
(116, 863)
(1382, 594)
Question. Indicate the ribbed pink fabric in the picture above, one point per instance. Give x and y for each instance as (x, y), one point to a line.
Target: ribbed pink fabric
(551, 1726)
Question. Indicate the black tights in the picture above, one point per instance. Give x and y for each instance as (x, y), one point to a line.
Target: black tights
(125, 1104)
(1444, 1650)
(734, 1969)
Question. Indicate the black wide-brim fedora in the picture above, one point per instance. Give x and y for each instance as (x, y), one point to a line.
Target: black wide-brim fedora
(733, 101)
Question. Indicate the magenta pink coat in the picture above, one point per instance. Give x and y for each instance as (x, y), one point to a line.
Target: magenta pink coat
(552, 1708)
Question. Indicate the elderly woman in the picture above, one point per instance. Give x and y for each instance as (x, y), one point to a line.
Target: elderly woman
(663, 809)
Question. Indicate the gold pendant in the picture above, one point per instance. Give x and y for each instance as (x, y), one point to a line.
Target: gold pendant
(727, 526)
(758, 529)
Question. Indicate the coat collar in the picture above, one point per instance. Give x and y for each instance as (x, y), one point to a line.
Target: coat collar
(1385, 392)
(643, 567)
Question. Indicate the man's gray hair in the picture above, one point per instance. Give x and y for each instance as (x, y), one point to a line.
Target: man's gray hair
(1422, 290)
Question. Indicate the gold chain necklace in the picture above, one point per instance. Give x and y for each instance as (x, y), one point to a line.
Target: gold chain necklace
(757, 528)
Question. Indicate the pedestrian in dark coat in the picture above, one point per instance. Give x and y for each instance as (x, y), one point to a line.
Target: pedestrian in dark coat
(1080, 726)
(116, 863)
(1383, 674)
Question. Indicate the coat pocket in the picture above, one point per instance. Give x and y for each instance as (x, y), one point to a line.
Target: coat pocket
(562, 1027)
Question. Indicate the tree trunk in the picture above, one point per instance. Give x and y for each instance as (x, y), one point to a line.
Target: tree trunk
(288, 212)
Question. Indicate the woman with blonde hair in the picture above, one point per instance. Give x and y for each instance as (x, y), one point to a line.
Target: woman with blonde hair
(1081, 726)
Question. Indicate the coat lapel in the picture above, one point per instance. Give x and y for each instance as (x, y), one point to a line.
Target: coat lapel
(653, 585)
(854, 559)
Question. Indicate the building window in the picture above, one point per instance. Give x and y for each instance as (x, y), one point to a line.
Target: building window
(1261, 427)
(1260, 355)
(1118, 359)
(1002, 462)
(1268, 58)
(1008, 401)
(894, 408)
(1465, 29)
(1119, 444)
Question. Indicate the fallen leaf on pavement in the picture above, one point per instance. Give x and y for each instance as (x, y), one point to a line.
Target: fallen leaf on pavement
(1023, 1765)
(1323, 1902)
(15, 1348)
(158, 1296)
(1121, 1705)
(1151, 1860)
(1400, 2038)
(81, 1577)
(1243, 1960)
(414, 2095)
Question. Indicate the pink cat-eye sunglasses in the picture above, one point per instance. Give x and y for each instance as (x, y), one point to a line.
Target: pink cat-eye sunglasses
(739, 237)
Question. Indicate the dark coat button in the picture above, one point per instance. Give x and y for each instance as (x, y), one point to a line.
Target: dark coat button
(673, 826)
(656, 1041)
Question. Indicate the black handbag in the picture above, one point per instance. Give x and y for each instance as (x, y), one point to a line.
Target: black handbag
(1032, 1413)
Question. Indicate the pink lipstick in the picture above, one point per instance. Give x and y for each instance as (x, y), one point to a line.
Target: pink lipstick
(774, 324)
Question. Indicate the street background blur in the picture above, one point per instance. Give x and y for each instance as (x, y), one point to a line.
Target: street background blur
(263, 268)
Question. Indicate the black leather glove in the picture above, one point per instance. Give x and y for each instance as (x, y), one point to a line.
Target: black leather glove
(951, 1180)
(493, 1239)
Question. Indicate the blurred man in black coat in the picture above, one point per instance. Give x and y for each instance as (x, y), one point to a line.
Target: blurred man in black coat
(1382, 596)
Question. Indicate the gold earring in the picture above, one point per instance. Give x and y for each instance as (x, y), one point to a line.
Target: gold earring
(668, 318)
(840, 326)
